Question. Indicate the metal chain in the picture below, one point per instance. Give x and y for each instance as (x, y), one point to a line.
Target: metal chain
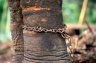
(62, 30)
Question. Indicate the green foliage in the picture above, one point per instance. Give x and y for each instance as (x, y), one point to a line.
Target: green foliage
(4, 21)
(91, 12)
(72, 9)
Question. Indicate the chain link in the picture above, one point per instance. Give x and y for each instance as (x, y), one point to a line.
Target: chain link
(62, 30)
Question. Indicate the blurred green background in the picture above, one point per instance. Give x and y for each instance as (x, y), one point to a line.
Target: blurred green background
(71, 11)
(4, 21)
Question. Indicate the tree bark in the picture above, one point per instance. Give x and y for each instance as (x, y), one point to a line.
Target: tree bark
(42, 47)
(16, 30)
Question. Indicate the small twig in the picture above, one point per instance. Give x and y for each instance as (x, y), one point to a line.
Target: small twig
(83, 12)
(90, 29)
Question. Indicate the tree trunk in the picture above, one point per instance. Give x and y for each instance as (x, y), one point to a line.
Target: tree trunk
(43, 47)
(16, 30)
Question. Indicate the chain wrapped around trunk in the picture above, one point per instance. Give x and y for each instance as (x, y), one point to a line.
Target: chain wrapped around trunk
(61, 31)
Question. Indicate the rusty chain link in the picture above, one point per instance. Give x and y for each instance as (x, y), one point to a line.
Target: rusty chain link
(62, 30)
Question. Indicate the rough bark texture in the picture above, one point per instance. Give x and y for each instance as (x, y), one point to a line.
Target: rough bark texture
(17, 31)
(41, 47)
(44, 47)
